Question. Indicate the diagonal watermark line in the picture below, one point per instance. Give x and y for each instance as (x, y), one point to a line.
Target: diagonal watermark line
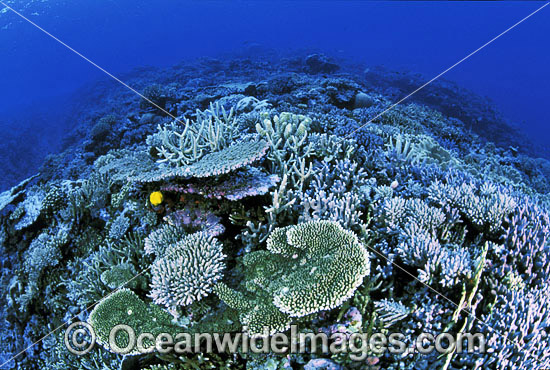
(163, 110)
(94, 64)
(74, 317)
(447, 70)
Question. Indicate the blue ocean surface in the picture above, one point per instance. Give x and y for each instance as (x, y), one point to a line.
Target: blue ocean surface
(225, 147)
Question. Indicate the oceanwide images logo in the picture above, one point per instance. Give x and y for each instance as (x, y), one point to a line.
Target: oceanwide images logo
(80, 339)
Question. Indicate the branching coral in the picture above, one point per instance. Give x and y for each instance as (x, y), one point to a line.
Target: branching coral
(403, 148)
(420, 149)
(422, 236)
(287, 137)
(417, 247)
(212, 131)
(44, 252)
(516, 330)
(292, 157)
(486, 206)
(158, 240)
(526, 250)
(187, 270)
(331, 147)
(395, 213)
(334, 194)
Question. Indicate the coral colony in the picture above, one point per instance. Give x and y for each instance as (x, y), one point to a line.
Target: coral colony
(263, 206)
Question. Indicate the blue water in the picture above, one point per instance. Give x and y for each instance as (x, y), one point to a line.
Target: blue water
(39, 74)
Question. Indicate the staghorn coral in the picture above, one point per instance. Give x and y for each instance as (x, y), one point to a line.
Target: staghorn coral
(187, 270)
(516, 330)
(295, 159)
(486, 205)
(449, 263)
(422, 236)
(402, 147)
(184, 142)
(333, 194)
(158, 240)
(331, 147)
(286, 135)
(525, 249)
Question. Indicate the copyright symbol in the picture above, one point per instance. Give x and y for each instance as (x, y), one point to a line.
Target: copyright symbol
(80, 338)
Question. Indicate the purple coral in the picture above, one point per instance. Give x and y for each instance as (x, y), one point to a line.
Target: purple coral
(322, 364)
(247, 183)
(196, 218)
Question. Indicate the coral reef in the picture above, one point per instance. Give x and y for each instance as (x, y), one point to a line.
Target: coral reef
(276, 199)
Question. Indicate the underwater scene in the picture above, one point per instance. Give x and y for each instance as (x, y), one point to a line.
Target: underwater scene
(274, 185)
